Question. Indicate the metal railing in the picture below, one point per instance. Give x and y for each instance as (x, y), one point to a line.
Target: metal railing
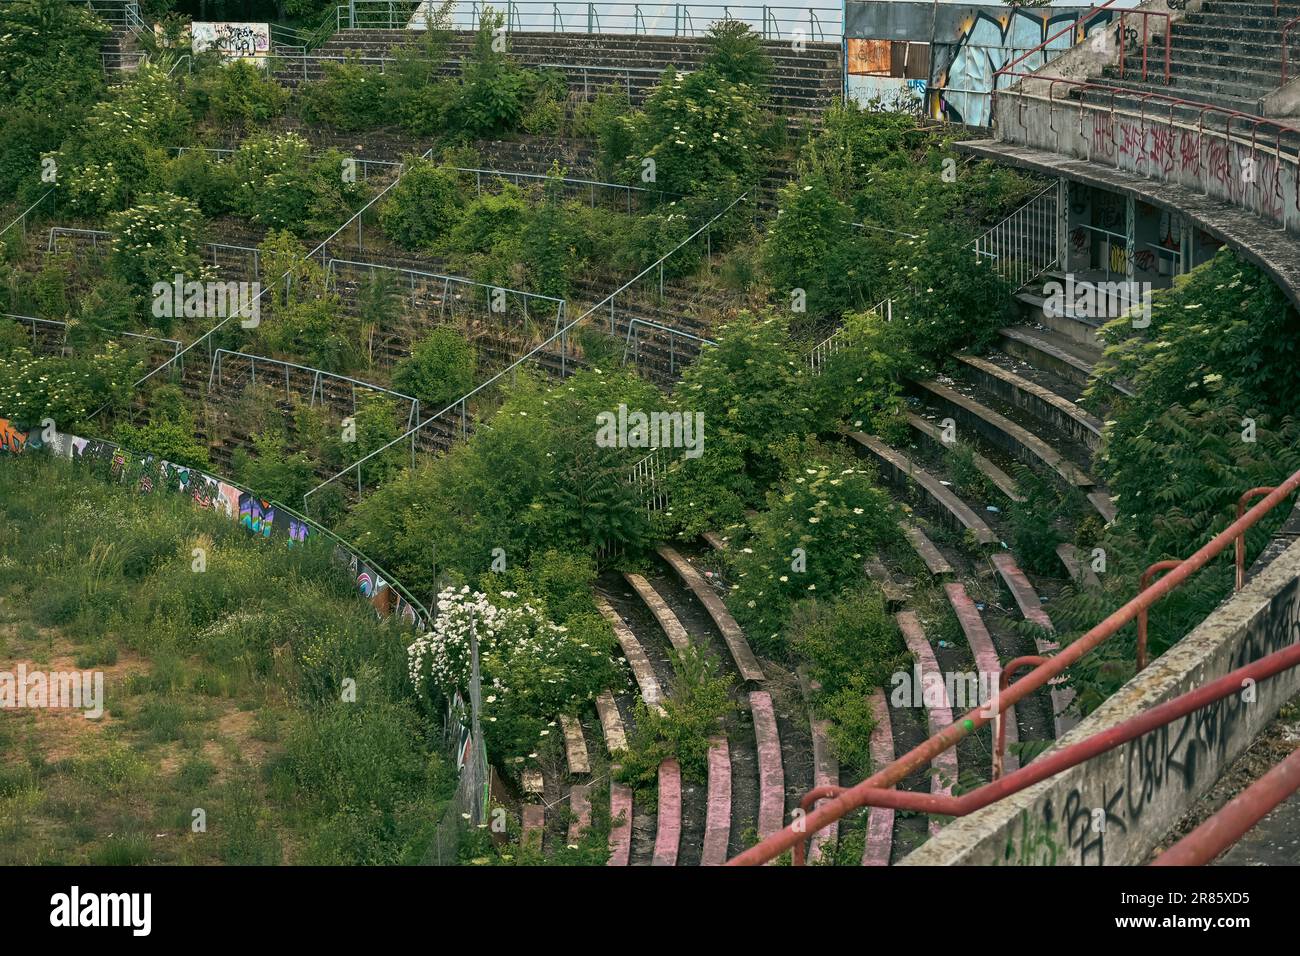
(594, 77)
(324, 386)
(820, 354)
(1235, 819)
(647, 476)
(266, 287)
(1025, 244)
(497, 299)
(678, 19)
(455, 418)
(21, 219)
(34, 322)
(877, 790)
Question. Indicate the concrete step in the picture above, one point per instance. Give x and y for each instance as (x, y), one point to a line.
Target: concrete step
(900, 470)
(1051, 409)
(1000, 431)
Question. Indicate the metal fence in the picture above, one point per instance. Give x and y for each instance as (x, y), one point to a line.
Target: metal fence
(61, 332)
(1026, 244)
(454, 420)
(820, 354)
(660, 19)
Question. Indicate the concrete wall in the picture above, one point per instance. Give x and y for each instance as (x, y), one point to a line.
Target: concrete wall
(1232, 170)
(1144, 787)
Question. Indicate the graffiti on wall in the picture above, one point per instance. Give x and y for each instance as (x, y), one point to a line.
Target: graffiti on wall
(11, 439)
(234, 41)
(964, 67)
(1090, 823)
(1234, 171)
(148, 474)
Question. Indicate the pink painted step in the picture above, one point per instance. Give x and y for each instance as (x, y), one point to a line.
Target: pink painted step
(580, 804)
(717, 820)
(826, 768)
(880, 821)
(668, 836)
(620, 823)
(534, 824)
(1032, 610)
(771, 777)
(731, 633)
(986, 660)
(944, 766)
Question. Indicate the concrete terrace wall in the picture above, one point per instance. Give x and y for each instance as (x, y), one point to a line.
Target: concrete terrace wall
(1144, 787)
(1232, 169)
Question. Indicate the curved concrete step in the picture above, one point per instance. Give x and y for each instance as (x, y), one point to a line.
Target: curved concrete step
(580, 805)
(611, 723)
(668, 833)
(771, 776)
(1002, 431)
(659, 608)
(938, 714)
(636, 656)
(826, 767)
(1041, 402)
(575, 745)
(986, 659)
(534, 825)
(900, 468)
(1000, 479)
(620, 823)
(731, 633)
(933, 558)
(717, 820)
(1031, 608)
(880, 820)
(1076, 566)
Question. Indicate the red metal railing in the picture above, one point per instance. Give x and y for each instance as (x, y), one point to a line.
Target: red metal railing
(1052, 764)
(1079, 26)
(877, 790)
(1236, 817)
(1146, 15)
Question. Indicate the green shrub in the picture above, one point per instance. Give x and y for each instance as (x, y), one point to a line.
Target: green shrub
(154, 241)
(693, 712)
(439, 369)
(847, 636)
(238, 95)
(425, 205)
(349, 95)
(823, 519)
(736, 53)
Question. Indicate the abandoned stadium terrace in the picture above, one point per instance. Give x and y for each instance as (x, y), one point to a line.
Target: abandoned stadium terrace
(963, 652)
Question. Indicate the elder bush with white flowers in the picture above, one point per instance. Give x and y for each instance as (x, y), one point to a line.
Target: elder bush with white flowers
(829, 506)
(532, 670)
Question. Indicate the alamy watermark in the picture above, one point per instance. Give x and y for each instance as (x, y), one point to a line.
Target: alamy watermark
(1099, 300)
(963, 690)
(208, 300)
(626, 429)
(61, 690)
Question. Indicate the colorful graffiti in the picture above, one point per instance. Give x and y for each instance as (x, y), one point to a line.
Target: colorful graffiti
(150, 475)
(11, 439)
(256, 514)
(963, 69)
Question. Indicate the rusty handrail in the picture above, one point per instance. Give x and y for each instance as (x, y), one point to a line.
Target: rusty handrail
(1236, 817)
(1169, 39)
(795, 835)
(1004, 681)
(1042, 47)
(1049, 765)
